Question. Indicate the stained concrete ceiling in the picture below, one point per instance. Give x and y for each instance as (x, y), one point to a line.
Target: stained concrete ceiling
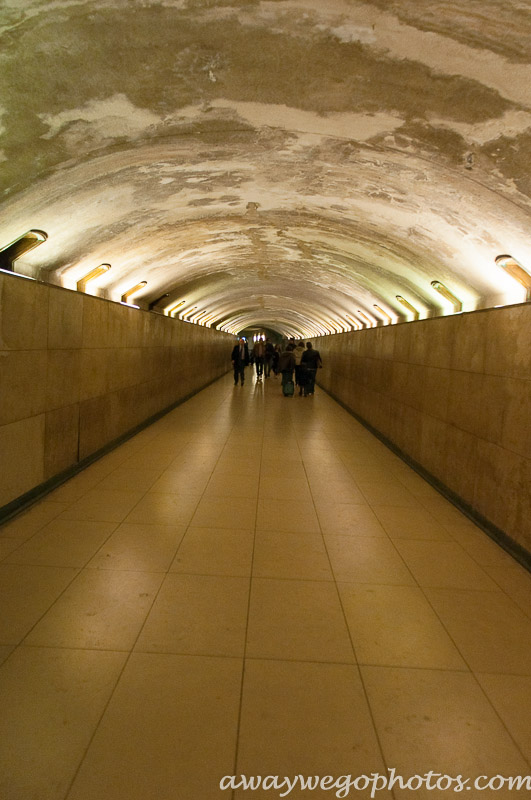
(284, 164)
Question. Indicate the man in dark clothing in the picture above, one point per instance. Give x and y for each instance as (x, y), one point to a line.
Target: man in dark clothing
(310, 361)
(269, 353)
(286, 364)
(240, 359)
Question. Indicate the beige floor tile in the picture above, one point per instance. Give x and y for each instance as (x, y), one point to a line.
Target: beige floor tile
(139, 547)
(63, 543)
(278, 488)
(410, 523)
(480, 546)
(7, 546)
(101, 609)
(225, 512)
(233, 486)
(182, 482)
(342, 490)
(441, 721)
(198, 614)
(443, 511)
(5, 651)
(149, 460)
(291, 555)
(164, 509)
(396, 626)
(516, 582)
(103, 505)
(168, 732)
(348, 519)
(237, 466)
(130, 480)
(286, 471)
(387, 493)
(215, 551)
(51, 703)
(366, 560)
(24, 525)
(308, 719)
(443, 564)
(26, 593)
(491, 632)
(296, 516)
(511, 697)
(300, 620)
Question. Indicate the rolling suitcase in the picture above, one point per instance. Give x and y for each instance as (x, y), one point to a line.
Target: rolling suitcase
(288, 388)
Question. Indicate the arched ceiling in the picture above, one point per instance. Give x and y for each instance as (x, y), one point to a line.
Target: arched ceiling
(286, 163)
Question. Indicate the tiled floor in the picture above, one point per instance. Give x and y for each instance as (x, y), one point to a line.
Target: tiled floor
(255, 585)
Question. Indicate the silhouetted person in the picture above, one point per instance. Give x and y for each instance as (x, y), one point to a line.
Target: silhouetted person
(240, 359)
(310, 362)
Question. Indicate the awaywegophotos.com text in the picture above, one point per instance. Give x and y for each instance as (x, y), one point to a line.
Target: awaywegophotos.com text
(375, 782)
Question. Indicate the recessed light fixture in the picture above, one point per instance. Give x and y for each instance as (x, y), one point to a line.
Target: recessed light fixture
(447, 294)
(94, 273)
(132, 291)
(408, 305)
(513, 268)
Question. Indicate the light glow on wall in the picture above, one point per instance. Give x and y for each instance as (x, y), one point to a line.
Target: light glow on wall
(133, 290)
(518, 272)
(445, 292)
(92, 275)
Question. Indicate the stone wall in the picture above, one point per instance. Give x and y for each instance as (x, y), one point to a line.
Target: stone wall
(77, 372)
(454, 395)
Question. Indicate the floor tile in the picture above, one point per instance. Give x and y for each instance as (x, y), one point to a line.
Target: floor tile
(387, 493)
(291, 555)
(348, 519)
(164, 509)
(139, 547)
(168, 732)
(299, 620)
(396, 626)
(198, 614)
(51, 702)
(63, 543)
(182, 482)
(26, 593)
(278, 488)
(101, 609)
(491, 632)
(479, 546)
(232, 486)
(23, 526)
(130, 480)
(410, 523)
(103, 505)
(308, 719)
(215, 551)
(455, 731)
(295, 516)
(225, 512)
(443, 564)
(515, 581)
(511, 697)
(366, 560)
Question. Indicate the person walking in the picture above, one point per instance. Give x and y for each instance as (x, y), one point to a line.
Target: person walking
(268, 358)
(275, 359)
(240, 359)
(298, 353)
(259, 357)
(310, 362)
(286, 365)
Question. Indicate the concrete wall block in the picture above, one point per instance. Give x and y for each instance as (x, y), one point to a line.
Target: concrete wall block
(61, 439)
(63, 378)
(24, 318)
(508, 342)
(21, 457)
(23, 382)
(65, 319)
(96, 315)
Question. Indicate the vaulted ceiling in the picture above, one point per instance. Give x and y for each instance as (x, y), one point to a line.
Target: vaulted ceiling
(285, 164)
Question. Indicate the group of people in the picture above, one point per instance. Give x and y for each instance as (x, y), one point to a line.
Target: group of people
(294, 359)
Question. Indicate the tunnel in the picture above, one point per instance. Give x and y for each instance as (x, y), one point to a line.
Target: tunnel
(176, 175)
